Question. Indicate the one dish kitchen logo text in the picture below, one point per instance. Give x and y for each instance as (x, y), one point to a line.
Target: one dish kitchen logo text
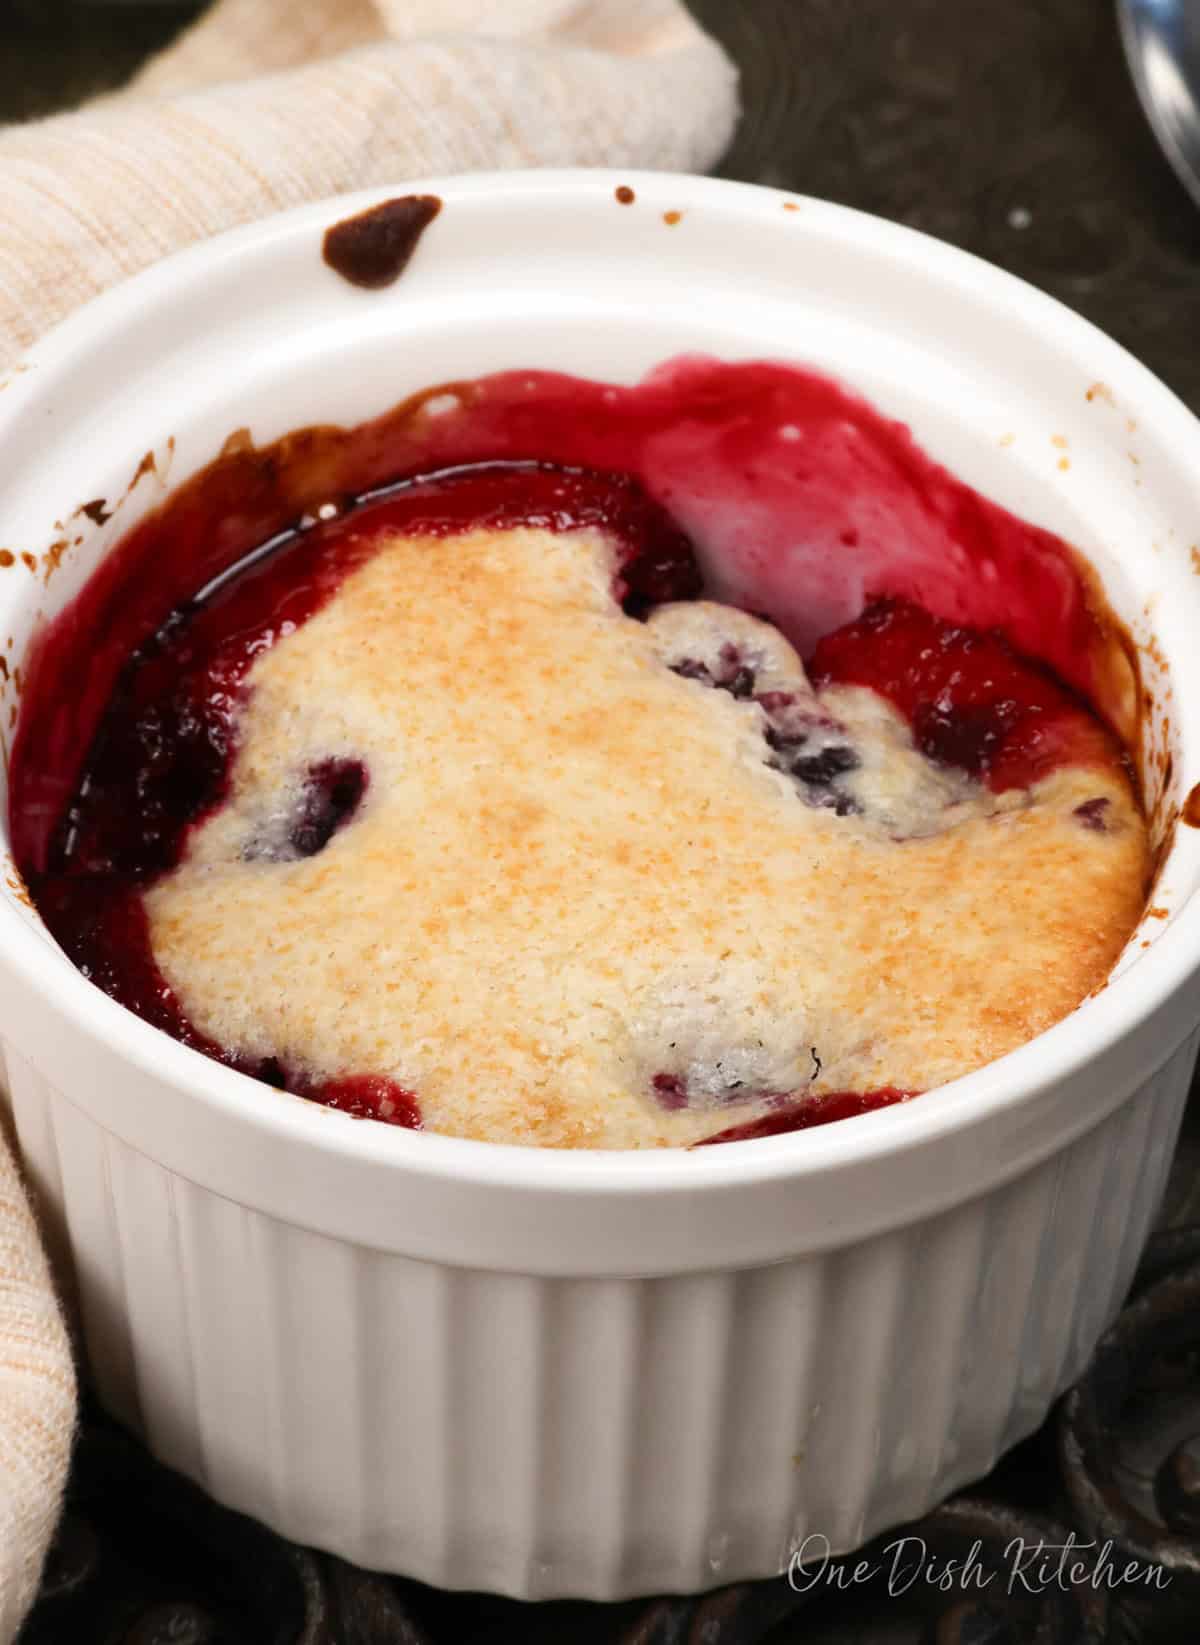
(1023, 1566)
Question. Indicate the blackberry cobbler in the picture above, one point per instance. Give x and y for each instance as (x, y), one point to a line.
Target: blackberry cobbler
(481, 806)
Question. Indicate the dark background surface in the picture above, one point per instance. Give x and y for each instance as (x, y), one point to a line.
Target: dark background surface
(1006, 126)
(1010, 129)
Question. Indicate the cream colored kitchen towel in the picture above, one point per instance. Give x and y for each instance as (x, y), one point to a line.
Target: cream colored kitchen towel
(37, 1401)
(264, 104)
(268, 103)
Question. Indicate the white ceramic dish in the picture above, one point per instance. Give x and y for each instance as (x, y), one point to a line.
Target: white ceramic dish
(591, 1374)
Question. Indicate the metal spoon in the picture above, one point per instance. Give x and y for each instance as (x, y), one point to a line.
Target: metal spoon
(1162, 44)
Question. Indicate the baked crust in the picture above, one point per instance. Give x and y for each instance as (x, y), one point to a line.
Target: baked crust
(574, 869)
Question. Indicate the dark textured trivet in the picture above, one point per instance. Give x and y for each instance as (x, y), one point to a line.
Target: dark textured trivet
(1130, 1435)
(145, 1558)
(1008, 127)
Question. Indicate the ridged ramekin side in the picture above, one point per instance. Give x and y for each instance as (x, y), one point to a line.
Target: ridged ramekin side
(592, 1437)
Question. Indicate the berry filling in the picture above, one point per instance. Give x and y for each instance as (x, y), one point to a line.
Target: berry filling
(806, 1112)
(365, 1097)
(972, 701)
(160, 756)
(732, 674)
(673, 1092)
(111, 783)
(803, 742)
(806, 753)
(329, 797)
(333, 792)
(1093, 814)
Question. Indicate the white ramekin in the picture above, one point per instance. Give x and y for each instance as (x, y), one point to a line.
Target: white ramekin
(588, 1374)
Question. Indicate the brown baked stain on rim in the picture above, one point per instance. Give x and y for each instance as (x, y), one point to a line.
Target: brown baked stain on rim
(239, 441)
(97, 511)
(1122, 695)
(625, 194)
(1155, 652)
(53, 557)
(12, 874)
(372, 249)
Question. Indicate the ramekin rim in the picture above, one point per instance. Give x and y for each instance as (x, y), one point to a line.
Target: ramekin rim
(1016, 1078)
